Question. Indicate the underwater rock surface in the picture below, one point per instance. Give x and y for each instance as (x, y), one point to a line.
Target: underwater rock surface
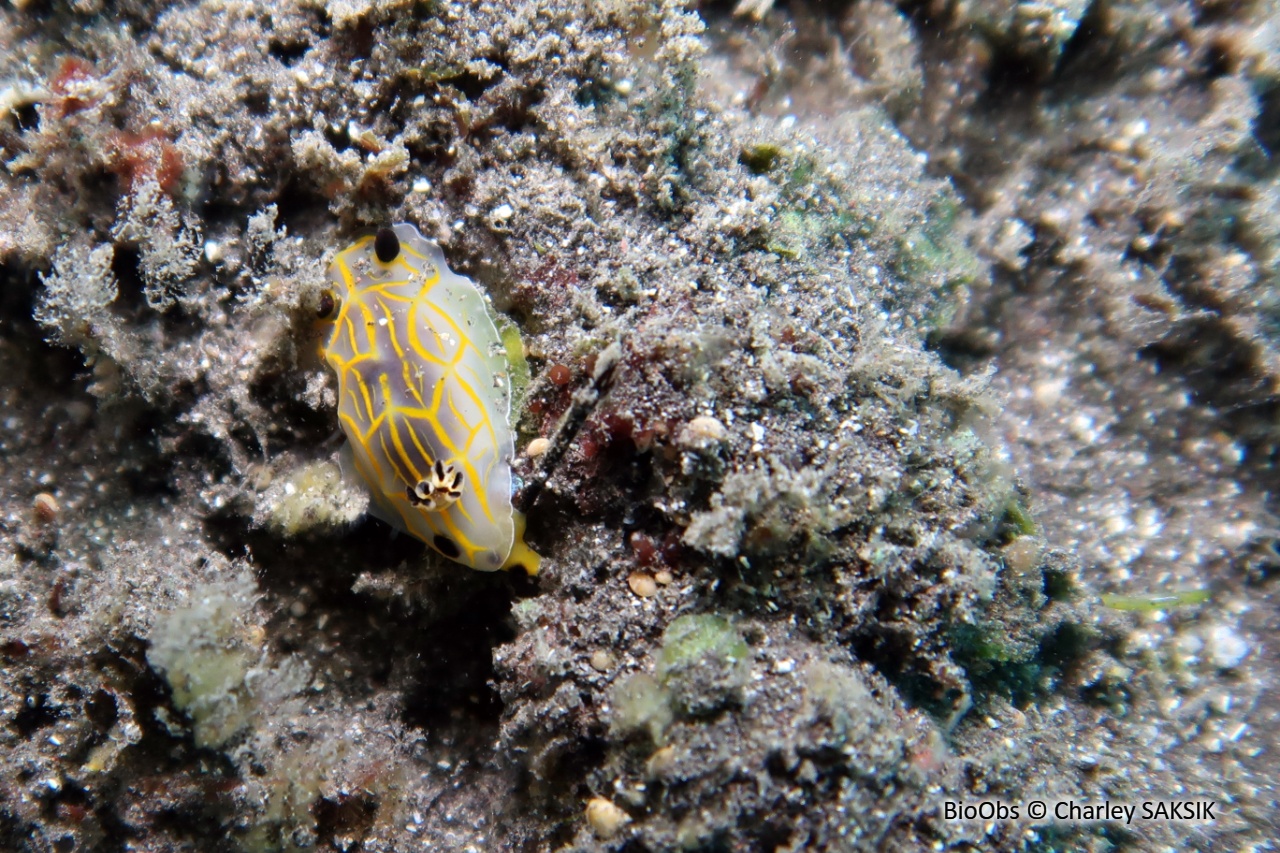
(893, 336)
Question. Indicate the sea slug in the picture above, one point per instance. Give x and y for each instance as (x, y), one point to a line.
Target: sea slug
(424, 397)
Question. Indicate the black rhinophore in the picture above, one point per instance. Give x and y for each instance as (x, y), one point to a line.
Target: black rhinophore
(386, 245)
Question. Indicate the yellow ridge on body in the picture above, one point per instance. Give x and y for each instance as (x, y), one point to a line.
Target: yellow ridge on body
(424, 400)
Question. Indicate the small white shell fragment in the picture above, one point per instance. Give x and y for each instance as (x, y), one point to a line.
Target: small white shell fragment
(606, 819)
(701, 433)
(642, 584)
(1227, 649)
(46, 507)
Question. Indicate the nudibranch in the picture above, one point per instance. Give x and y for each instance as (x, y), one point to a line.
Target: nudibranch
(424, 397)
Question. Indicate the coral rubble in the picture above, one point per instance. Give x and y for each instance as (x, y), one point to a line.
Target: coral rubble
(889, 336)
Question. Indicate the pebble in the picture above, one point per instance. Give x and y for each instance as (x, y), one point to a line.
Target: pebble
(661, 762)
(606, 819)
(1227, 649)
(642, 584)
(46, 507)
(701, 432)
(559, 374)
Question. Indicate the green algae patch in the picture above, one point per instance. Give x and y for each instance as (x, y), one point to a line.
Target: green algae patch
(1156, 602)
(797, 231)
(207, 651)
(702, 668)
(704, 663)
(814, 212)
(761, 158)
(640, 704)
(934, 249)
(935, 253)
(518, 373)
(314, 497)
(1017, 518)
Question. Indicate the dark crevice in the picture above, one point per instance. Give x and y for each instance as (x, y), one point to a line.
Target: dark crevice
(513, 114)
(288, 52)
(896, 656)
(17, 299)
(301, 209)
(280, 392)
(27, 116)
(472, 86)
(454, 675)
(258, 103)
(443, 666)
(1266, 127)
(1224, 373)
(24, 350)
(1221, 369)
(966, 349)
(338, 137)
(356, 41)
(1012, 75)
(164, 783)
(1086, 47)
(126, 266)
(102, 710)
(344, 817)
(1211, 12)
(1218, 60)
(36, 713)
